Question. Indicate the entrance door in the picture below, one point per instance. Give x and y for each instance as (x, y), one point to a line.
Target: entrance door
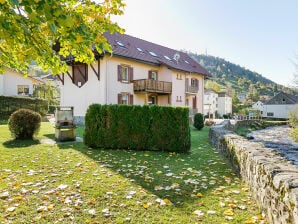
(194, 102)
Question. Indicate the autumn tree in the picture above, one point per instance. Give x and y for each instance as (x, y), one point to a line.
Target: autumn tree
(45, 31)
(212, 85)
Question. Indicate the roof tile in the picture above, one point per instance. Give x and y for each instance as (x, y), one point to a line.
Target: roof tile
(178, 60)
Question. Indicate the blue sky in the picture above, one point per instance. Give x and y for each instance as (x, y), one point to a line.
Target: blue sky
(260, 35)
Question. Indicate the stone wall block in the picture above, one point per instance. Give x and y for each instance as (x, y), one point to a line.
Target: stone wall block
(272, 179)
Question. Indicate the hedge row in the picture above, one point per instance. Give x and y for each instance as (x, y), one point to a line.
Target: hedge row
(137, 127)
(10, 104)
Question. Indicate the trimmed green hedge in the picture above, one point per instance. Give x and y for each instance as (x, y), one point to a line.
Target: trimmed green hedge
(10, 104)
(137, 127)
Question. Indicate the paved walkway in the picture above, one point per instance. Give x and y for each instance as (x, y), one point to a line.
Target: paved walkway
(53, 142)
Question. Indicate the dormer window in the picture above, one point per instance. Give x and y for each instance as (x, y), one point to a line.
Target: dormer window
(166, 57)
(120, 44)
(140, 50)
(152, 53)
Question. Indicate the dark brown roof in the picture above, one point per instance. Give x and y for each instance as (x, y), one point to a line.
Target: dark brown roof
(137, 49)
(283, 98)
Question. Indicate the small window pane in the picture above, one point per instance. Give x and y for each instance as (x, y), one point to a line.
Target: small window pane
(125, 74)
(124, 99)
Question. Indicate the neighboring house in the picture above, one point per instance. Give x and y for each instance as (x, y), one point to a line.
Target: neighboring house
(137, 72)
(224, 104)
(258, 106)
(13, 83)
(280, 105)
(210, 103)
(242, 97)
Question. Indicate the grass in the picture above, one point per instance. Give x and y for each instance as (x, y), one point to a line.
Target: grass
(70, 183)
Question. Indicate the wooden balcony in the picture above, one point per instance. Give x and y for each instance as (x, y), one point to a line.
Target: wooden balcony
(152, 86)
(191, 89)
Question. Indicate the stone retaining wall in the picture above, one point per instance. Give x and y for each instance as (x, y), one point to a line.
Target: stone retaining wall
(272, 179)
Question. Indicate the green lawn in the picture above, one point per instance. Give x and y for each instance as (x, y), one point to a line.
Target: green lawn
(70, 183)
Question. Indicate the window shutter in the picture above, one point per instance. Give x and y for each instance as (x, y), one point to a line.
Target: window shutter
(119, 72)
(119, 98)
(197, 83)
(149, 74)
(130, 74)
(131, 99)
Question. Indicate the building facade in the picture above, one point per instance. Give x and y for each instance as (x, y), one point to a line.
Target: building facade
(13, 83)
(280, 106)
(210, 103)
(224, 104)
(138, 72)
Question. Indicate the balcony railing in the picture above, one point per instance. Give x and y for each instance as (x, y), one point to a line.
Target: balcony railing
(152, 86)
(191, 89)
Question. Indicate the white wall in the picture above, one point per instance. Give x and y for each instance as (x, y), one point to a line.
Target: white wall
(10, 82)
(224, 105)
(210, 102)
(93, 91)
(1, 84)
(280, 110)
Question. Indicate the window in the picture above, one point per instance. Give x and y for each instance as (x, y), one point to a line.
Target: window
(168, 58)
(179, 77)
(125, 98)
(125, 73)
(152, 53)
(152, 75)
(140, 50)
(23, 90)
(270, 114)
(194, 83)
(152, 100)
(120, 44)
(178, 99)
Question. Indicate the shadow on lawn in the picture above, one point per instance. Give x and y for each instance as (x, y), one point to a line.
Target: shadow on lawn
(20, 143)
(51, 136)
(152, 170)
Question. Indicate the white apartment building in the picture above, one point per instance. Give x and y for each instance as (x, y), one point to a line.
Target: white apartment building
(210, 103)
(224, 104)
(137, 72)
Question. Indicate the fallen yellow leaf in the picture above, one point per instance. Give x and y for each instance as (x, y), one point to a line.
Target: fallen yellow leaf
(250, 221)
(228, 212)
(167, 201)
(146, 205)
(259, 217)
(199, 195)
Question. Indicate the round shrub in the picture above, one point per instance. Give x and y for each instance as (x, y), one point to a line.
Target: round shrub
(24, 123)
(198, 121)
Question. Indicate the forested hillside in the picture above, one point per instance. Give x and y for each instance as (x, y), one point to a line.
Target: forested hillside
(238, 80)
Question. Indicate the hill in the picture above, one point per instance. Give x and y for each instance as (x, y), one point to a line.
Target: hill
(236, 79)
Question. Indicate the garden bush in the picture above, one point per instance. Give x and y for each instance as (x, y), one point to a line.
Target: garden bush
(137, 127)
(24, 123)
(199, 121)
